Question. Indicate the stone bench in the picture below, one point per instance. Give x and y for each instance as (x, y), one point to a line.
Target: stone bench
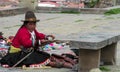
(95, 48)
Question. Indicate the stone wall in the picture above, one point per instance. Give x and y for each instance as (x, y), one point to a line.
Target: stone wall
(82, 10)
(22, 10)
(55, 9)
(117, 2)
(12, 11)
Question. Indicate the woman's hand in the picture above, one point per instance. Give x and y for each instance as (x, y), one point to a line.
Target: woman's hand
(50, 37)
(44, 42)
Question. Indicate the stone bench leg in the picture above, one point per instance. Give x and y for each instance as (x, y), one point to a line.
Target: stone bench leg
(108, 54)
(88, 59)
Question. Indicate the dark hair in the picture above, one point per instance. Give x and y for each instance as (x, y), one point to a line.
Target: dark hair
(1, 37)
(24, 23)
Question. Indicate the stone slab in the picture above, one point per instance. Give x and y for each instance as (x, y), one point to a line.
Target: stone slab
(93, 40)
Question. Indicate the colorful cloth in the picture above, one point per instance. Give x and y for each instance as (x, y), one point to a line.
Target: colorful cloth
(3, 48)
(52, 46)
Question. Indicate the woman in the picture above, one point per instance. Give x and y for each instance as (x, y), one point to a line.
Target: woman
(24, 42)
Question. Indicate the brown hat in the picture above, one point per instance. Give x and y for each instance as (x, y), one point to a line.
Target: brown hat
(30, 16)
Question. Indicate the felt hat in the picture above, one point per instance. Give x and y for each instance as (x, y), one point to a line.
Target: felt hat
(30, 16)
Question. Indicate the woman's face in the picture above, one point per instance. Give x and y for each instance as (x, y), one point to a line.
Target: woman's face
(31, 26)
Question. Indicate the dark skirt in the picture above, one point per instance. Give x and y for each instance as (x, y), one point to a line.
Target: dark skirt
(35, 57)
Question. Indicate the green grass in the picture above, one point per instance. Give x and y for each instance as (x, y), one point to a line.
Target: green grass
(71, 12)
(78, 20)
(94, 26)
(113, 11)
(118, 17)
(7, 27)
(52, 18)
(103, 68)
(12, 26)
(110, 18)
(16, 25)
(98, 19)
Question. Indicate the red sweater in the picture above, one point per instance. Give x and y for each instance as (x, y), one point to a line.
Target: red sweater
(23, 38)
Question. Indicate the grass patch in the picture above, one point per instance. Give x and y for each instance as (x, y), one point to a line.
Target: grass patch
(110, 18)
(7, 27)
(16, 25)
(98, 19)
(103, 68)
(78, 20)
(92, 3)
(11, 26)
(118, 17)
(52, 18)
(113, 11)
(94, 26)
(71, 12)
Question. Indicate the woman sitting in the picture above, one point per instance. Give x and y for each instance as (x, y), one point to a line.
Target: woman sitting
(26, 42)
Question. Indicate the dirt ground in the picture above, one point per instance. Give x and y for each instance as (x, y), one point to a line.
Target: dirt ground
(63, 25)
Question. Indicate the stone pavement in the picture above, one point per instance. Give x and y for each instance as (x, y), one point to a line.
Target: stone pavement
(63, 25)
